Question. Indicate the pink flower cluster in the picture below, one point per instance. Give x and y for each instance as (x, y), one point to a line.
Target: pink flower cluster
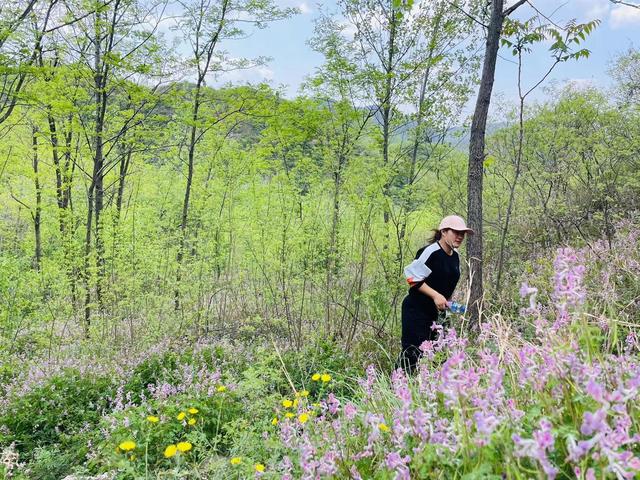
(545, 404)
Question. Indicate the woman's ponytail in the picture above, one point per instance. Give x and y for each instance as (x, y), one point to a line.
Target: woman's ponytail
(437, 235)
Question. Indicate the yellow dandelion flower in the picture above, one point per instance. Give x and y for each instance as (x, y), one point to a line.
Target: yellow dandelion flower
(221, 389)
(127, 445)
(259, 467)
(274, 421)
(304, 393)
(325, 377)
(235, 461)
(289, 415)
(303, 418)
(383, 427)
(193, 411)
(170, 451)
(153, 419)
(181, 416)
(192, 421)
(184, 446)
(295, 402)
(315, 377)
(286, 403)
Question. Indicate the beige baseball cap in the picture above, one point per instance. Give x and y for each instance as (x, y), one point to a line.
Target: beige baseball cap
(454, 222)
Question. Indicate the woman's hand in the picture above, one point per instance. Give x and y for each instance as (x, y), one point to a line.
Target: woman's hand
(437, 297)
(440, 301)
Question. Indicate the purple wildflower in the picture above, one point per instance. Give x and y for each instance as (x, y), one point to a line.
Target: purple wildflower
(395, 462)
(350, 410)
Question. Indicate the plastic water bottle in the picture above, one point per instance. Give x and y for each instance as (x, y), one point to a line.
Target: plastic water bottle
(456, 307)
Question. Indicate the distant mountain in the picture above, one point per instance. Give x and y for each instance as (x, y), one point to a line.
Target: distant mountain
(459, 136)
(456, 136)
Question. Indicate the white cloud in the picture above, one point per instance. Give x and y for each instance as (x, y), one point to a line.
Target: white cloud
(580, 83)
(580, 10)
(595, 9)
(260, 73)
(265, 72)
(624, 16)
(305, 8)
(349, 30)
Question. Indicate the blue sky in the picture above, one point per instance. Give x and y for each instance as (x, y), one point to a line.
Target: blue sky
(293, 59)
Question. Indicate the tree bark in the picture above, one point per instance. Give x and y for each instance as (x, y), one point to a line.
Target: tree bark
(125, 161)
(98, 162)
(205, 54)
(477, 155)
(512, 194)
(386, 110)
(333, 239)
(55, 152)
(87, 256)
(476, 162)
(187, 192)
(38, 210)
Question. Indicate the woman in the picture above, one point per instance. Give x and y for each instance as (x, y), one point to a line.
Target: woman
(433, 277)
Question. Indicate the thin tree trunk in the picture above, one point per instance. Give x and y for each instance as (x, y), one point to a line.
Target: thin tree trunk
(53, 134)
(522, 96)
(206, 54)
(99, 186)
(187, 192)
(333, 239)
(67, 213)
(95, 193)
(414, 157)
(512, 193)
(125, 162)
(386, 112)
(87, 255)
(38, 211)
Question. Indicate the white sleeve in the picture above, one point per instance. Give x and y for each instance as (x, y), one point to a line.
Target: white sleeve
(417, 270)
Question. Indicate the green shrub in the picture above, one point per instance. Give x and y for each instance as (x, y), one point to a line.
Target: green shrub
(54, 413)
(51, 463)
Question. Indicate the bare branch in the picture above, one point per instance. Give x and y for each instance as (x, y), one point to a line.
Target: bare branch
(468, 15)
(514, 7)
(626, 4)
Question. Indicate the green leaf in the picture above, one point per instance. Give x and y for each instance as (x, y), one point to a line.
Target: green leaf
(489, 161)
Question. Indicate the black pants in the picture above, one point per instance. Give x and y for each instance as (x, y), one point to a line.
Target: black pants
(419, 313)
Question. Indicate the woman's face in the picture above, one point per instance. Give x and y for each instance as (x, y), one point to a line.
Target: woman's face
(453, 237)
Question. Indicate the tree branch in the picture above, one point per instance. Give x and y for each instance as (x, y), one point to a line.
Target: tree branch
(626, 4)
(466, 14)
(513, 8)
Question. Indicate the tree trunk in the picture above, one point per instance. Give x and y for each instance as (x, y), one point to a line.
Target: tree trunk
(38, 211)
(417, 140)
(512, 194)
(333, 239)
(187, 191)
(55, 152)
(67, 212)
(87, 257)
(206, 54)
(386, 112)
(125, 161)
(476, 161)
(96, 189)
(98, 173)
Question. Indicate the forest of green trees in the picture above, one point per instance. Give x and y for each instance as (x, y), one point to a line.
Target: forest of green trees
(143, 203)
